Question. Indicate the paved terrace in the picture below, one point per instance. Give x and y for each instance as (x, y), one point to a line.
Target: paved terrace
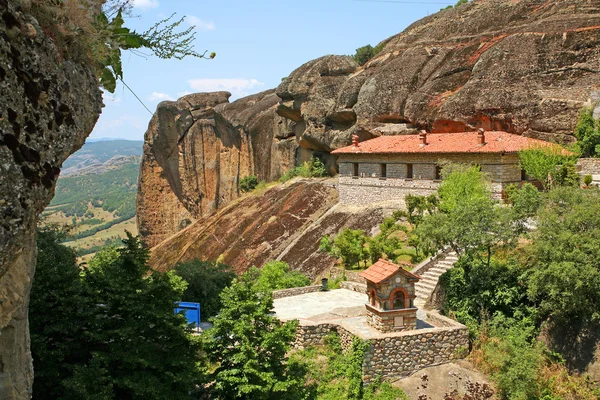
(340, 306)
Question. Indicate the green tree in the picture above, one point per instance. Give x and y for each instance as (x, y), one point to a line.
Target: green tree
(386, 242)
(350, 245)
(276, 275)
(587, 133)
(59, 315)
(363, 54)
(565, 274)
(205, 282)
(248, 346)
(468, 220)
(551, 166)
(417, 207)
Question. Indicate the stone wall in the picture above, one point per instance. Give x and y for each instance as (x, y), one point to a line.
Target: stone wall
(354, 286)
(351, 276)
(370, 187)
(314, 335)
(396, 356)
(589, 166)
(278, 294)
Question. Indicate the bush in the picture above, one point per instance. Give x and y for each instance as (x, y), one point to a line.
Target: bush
(248, 183)
(587, 133)
(315, 168)
(350, 245)
(363, 54)
(587, 180)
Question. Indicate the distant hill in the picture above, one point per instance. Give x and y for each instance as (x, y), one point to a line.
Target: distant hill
(96, 194)
(98, 152)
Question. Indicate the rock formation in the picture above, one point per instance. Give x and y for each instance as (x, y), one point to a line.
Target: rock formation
(48, 107)
(526, 67)
(286, 222)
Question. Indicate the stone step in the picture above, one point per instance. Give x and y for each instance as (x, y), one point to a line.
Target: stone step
(436, 271)
(429, 279)
(445, 263)
(426, 285)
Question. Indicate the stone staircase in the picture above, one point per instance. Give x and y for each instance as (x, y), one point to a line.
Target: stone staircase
(429, 278)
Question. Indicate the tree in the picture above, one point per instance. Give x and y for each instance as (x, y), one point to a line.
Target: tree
(587, 133)
(468, 221)
(138, 347)
(552, 166)
(350, 245)
(109, 332)
(417, 207)
(248, 183)
(58, 315)
(386, 242)
(565, 274)
(276, 275)
(363, 54)
(248, 345)
(205, 282)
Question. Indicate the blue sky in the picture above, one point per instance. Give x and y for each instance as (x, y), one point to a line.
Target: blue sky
(257, 43)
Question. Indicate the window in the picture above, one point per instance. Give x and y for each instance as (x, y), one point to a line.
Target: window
(398, 300)
(409, 171)
(438, 172)
(355, 170)
(383, 171)
(372, 298)
(523, 175)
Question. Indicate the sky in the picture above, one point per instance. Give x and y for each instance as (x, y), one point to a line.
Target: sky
(257, 44)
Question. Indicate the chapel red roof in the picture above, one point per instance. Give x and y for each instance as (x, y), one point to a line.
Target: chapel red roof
(383, 269)
(463, 142)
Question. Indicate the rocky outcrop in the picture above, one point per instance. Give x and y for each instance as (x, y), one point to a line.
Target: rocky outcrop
(525, 67)
(286, 222)
(196, 150)
(48, 106)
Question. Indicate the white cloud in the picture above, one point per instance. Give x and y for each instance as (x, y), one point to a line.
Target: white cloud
(145, 4)
(110, 98)
(237, 87)
(157, 96)
(200, 24)
(125, 120)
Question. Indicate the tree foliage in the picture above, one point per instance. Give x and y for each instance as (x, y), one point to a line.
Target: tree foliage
(587, 133)
(276, 275)
(205, 282)
(551, 166)
(565, 278)
(248, 183)
(119, 337)
(350, 245)
(248, 346)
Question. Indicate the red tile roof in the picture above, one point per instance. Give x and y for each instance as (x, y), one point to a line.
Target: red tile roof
(463, 142)
(382, 270)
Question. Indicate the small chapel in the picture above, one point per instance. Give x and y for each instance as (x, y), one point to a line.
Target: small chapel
(391, 291)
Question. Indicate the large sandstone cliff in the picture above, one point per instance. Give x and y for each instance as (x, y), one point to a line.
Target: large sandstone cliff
(48, 106)
(526, 67)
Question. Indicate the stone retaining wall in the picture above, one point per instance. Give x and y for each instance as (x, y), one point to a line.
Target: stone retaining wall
(314, 335)
(589, 166)
(401, 354)
(356, 287)
(410, 351)
(278, 294)
(351, 276)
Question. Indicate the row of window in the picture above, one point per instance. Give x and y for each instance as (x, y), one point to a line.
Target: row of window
(383, 171)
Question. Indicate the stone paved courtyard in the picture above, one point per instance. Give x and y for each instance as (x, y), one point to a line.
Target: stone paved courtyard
(340, 306)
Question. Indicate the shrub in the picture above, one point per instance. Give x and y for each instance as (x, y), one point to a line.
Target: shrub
(315, 168)
(363, 54)
(587, 180)
(350, 245)
(248, 183)
(276, 275)
(587, 133)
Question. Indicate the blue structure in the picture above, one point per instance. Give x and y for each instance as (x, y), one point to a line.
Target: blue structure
(191, 310)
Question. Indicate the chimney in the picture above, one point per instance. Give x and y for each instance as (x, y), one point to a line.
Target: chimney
(481, 136)
(423, 138)
(355, 142)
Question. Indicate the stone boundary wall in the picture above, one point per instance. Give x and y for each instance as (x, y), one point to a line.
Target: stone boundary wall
(397, 356)
(354, 286)
(366, 191)
(278, 294)
(588, 166)
(314, 335)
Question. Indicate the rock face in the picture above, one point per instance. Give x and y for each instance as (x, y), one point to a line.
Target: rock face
(286, 222)
(197, 149)
(47, 108)
(525, 67)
